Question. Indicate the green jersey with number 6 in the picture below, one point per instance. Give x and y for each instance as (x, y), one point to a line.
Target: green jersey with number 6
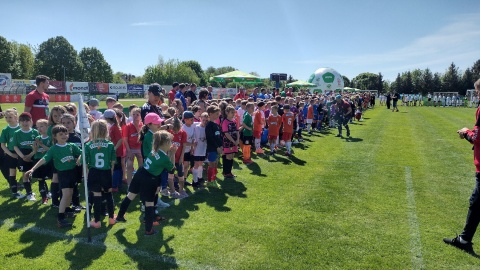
(155, 163)
(64, 156)
(100, 154)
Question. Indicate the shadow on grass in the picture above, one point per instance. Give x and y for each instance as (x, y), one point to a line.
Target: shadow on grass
(255, 169)
(351, 139)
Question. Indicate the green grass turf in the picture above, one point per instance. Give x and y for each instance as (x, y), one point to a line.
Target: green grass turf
(383, 199)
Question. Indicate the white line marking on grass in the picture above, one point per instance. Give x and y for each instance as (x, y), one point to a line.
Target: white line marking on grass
(415, 243)
(96, 243)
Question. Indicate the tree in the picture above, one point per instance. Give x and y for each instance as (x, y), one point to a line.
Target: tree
(466, 82)
(366, 81)
(197, 68)
(55, 56)
(290, 79)
(95, 68)
(437, 82)
(380, 83)
(169, 72)
(7, 57)
(417, 81)
(117, 77)
(476, 70)
(26, 61)
(427, 79)
(346, 81)
(451, 79)
(407, 83)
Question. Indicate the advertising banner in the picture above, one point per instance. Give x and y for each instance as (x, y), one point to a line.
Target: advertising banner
(77, 87)
(5, 79)
(23, 82)
(10, 98)
(102, 88)
(59, 87)
(60, 98)
(135, 88)
(117, 88)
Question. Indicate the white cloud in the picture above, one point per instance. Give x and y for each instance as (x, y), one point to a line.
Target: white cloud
(154, 23)
(457, 42)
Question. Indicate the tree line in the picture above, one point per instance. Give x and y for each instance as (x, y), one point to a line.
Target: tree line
(59, 60)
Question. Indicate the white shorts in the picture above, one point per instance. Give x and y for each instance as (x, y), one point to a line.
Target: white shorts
(309, 121)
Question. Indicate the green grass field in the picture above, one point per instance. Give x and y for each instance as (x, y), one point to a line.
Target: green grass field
(383, 199)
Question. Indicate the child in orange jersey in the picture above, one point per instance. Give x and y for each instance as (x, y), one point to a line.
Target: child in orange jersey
(287, 121)
(258, 124)
(274, 122)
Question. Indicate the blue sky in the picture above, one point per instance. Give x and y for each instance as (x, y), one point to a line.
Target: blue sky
(293, 37)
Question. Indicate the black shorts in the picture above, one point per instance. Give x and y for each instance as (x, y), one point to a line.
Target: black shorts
(179, 168)
(247, 140)
(43, 172)
(99, 180)
(137, 179)
(199, 158)
(147, 184)
(10, 162)
(187, 157)
(67, 179)
(118, 164)
(23, 165)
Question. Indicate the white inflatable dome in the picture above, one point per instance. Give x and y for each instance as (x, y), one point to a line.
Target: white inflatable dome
(326, 79)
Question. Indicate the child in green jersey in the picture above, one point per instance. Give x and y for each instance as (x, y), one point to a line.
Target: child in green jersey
(146, 181)
(43, 142)
(64, 156)
(23, 140)
(54, 118)
(10, 159)
(100, 157)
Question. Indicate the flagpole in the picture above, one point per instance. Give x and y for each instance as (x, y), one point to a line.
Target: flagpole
(84, 126)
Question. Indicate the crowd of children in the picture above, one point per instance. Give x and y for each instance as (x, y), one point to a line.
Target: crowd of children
(167, 148)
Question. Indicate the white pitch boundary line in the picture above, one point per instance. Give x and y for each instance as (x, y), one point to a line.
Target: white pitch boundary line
(415, 241)
(96, 243)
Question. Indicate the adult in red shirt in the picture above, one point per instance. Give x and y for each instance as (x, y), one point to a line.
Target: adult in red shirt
(240, 94)
(173, 92)
(36, 102)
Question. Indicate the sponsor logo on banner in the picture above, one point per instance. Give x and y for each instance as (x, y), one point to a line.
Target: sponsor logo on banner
(102, 88)
(135, 88)
(77, 87)
(22, 82)
(60, 87)
(5, 79)
(117, 87)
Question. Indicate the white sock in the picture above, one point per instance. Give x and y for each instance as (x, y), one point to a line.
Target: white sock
(257, 143)
(195, 175)
(200, 172)
(289, 145)
(272, 147)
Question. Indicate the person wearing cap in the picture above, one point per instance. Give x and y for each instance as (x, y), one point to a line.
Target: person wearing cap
(240, 94)
(173, 92)
(181, 95)
(93, 106)
(36, 102)
(151, 106)
(343, 112)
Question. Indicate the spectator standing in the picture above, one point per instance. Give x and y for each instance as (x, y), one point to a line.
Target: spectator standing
(36, 102)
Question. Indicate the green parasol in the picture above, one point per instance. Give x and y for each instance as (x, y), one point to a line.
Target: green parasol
(236, 76)
(301, 84)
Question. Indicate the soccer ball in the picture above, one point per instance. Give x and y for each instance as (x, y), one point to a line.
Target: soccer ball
(282, 143)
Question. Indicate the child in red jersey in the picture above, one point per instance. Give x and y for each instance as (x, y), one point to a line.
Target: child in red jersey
(287, 121)
(274, 123)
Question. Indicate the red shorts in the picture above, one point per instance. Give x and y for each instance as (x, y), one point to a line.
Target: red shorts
(287, 136)
(257, 134)
(272, 137)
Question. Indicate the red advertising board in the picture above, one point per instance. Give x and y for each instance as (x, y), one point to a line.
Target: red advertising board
(59, 98)
(102, 88)
(59, 85)
(10, 98)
